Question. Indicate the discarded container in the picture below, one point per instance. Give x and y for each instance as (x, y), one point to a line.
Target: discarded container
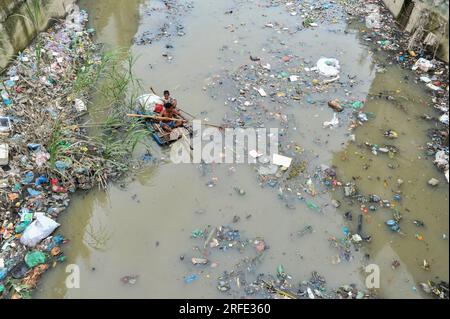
(199, 261)
(281, 274)
(335, 105)
(261, 92)
(197, 233)
(4, 154)
(3, 273)
(281, 160)
(130, 279)
(34, 147)
(311, 205)
(6, 99)
(5, 125)
(357, 104)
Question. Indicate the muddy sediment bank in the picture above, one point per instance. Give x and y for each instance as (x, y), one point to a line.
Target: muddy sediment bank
(47, 153)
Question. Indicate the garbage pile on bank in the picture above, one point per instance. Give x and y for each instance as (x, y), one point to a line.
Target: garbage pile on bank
(44, 154)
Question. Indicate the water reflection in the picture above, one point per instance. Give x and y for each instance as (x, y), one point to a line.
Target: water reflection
(115, 21)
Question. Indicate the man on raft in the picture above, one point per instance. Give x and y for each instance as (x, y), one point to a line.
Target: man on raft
(174, 118)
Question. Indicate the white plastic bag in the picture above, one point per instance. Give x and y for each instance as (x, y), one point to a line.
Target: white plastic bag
(80, 106)
(74, 20)
(333, 123)
(373, 20)
(328, 67)
(441, 160)
(148, 101)
(423, 64)
(41, 228)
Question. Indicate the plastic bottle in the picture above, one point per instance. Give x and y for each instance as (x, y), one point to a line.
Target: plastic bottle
(6, 99)
(311, 205)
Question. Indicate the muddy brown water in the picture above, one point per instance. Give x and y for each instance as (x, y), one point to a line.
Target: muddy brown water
(145, 228)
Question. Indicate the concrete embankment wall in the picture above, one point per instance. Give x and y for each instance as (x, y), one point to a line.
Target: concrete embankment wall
(410, 12)
(17, 32)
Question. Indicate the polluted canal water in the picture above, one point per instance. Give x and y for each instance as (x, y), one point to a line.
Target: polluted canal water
(135, 240)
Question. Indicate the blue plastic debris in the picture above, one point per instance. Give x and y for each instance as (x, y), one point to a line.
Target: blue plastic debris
(29, 176)
(33, 192)
(346, 231)
(58, 239)
(60, 165)
(41, 180)
(393, 225)
(191, 278)
(34, 147)
(147, 157)
(5, 98)
(25, 214)
(3, 273)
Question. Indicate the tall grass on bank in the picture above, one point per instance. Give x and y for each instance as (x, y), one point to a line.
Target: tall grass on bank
(34, 14)
(115, 90)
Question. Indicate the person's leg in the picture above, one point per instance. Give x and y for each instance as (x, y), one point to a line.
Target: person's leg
(178, 123)
(165, 127)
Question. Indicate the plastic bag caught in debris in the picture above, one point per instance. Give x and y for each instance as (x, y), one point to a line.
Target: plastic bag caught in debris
(373, 20)
(41, 228)
(148, 102)
(333, 123)
(423, 64)
(328, 67)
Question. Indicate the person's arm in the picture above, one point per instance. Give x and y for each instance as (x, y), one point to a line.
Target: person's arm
(174, 102)
(180, 115)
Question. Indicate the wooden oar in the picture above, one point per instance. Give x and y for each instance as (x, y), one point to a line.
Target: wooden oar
(162, 118)
(155, 117)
